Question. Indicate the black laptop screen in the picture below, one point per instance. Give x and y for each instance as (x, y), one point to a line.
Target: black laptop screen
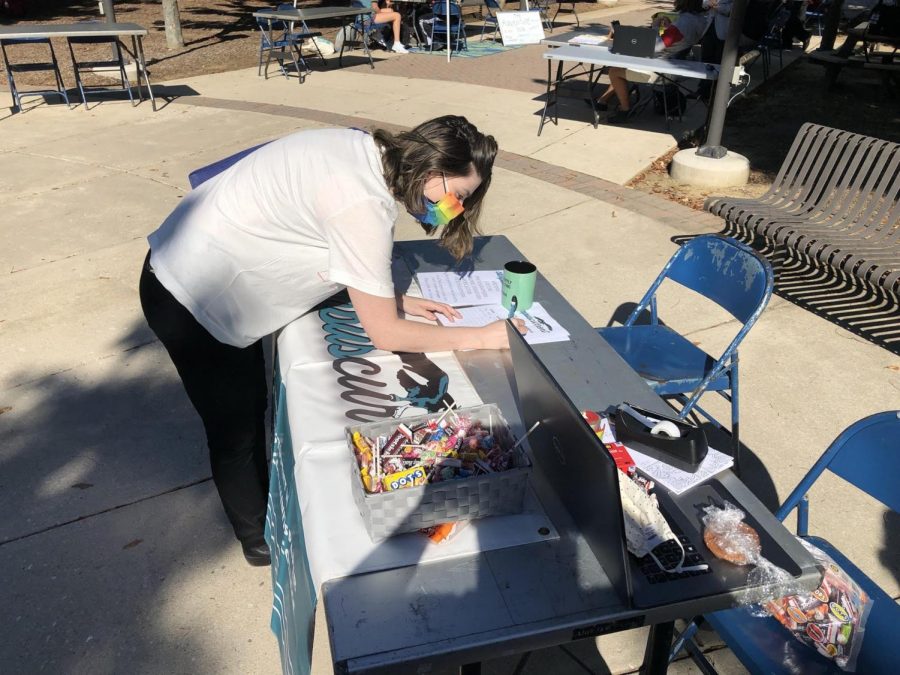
(573, 460)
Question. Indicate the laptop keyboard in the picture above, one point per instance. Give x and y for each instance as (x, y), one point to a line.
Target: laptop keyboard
(669, 554)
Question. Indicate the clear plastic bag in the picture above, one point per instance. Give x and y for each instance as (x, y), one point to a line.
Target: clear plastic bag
(730, 538)
(830, 619)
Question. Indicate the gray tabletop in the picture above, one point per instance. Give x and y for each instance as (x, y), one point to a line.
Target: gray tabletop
(601, 56)
(85, 29)
(522, 598)
(311, 13)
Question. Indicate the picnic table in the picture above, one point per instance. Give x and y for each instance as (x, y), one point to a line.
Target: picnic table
(503, 585)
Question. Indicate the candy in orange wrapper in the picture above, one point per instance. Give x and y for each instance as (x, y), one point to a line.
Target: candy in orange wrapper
(832, 618)
(415, 475)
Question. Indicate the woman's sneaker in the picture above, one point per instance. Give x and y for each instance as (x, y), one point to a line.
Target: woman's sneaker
(399, 48)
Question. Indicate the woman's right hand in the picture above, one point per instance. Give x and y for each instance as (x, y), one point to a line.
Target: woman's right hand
(495, 336)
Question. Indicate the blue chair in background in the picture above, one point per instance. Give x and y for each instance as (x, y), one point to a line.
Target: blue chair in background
(304, 33)
(866, 455)
(543, 9)
(773, 40)
(199, 176)
(729, 274)
(492, 7)
(362, 30)
(277, 43)
(449, 24)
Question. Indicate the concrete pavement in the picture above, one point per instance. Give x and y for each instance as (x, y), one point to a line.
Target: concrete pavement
(114, 553)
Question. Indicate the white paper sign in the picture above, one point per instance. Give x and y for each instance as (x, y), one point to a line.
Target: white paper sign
(521, 28)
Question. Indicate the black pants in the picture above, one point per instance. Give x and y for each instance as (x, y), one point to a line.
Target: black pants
(227, 386)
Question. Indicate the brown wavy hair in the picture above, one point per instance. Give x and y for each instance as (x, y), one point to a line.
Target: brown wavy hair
(450, 145)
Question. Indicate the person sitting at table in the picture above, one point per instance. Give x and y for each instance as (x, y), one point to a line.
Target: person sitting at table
(679, 36)
(383, 12)
(278, 232)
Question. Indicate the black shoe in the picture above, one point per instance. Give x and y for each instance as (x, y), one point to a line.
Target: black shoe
(618, 117)
(257, 555)
(602, 107)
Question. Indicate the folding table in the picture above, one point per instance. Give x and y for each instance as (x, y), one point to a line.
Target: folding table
(595, 58)
(474, 606)
(87, 30)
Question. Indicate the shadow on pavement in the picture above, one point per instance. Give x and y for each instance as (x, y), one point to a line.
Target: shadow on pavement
(110, 521)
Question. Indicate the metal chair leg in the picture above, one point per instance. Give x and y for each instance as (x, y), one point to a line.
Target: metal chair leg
(735, 416)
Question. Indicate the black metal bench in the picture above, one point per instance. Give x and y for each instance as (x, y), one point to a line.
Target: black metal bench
(834, 201)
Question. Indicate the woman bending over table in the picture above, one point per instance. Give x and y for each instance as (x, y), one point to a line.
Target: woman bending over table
(683, 33)
(286, 227)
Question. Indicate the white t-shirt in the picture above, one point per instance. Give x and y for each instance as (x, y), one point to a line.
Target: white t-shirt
(292, 223)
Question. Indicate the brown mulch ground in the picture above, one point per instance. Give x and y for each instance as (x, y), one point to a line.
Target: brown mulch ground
(221, 35)
(762, 125)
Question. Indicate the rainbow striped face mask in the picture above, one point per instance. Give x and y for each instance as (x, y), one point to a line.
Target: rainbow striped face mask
(442, 211)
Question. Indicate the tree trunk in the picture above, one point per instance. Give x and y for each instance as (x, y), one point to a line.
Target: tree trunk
(830, 29)
(174, 40)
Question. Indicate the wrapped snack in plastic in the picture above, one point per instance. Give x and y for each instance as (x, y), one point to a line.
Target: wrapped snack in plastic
(728, 537)
(832, 618)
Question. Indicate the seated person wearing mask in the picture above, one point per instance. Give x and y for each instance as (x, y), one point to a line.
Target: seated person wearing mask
(686, 31)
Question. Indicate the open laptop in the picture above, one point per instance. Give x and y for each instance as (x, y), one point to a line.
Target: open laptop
(581, 472)
(634, 41)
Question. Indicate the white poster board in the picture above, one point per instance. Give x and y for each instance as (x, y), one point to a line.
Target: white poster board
(521, 28)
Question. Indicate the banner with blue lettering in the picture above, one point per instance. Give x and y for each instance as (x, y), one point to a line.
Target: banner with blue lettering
(328, 362)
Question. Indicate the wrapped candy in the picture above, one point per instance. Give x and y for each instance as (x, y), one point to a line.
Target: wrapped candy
(832, 618)
(452, 446)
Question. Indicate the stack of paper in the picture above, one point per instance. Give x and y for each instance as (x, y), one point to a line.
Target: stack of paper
(473, 288)
(541, 326)
(676, 480)
(588, 39)
(476, 295)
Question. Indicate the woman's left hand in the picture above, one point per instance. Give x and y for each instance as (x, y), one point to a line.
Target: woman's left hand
(427, 309)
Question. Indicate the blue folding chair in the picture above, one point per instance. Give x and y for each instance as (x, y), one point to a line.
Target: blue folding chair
(730, 274)
(492, 7)
(199, 176)
(866, 455)
(276, 41)
(362, 30)
(449, 24)
(303, 33)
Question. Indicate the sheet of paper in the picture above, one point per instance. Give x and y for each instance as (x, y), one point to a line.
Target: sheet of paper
(674, 479)
(677, 480)
(459, 290)
(541, 326)
(588, 39)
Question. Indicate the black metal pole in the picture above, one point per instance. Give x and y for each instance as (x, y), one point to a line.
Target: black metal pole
(108, 10)
(713, 147)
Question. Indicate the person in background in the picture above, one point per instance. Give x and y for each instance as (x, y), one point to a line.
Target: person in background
(680, 35)
(286, 227)
(384, 12)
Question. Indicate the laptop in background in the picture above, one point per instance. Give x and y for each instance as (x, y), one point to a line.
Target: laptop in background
(583, 475)
(634, 41)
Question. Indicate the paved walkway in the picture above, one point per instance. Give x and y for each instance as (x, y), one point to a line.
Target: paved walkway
(114, 553)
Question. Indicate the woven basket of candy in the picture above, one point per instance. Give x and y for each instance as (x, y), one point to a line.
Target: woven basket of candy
(462, 464)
